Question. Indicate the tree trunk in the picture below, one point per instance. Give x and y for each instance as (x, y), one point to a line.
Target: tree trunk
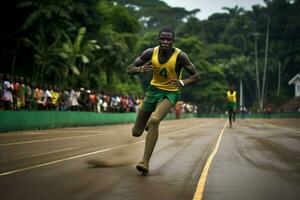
(265, 65)
(256, 70)
(279, 79)
(241, 94)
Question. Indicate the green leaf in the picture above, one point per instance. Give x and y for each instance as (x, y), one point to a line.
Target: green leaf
(63, 55)
(84, 59)
(75, 70)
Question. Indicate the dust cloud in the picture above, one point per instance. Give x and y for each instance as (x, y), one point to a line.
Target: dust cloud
(117, 158)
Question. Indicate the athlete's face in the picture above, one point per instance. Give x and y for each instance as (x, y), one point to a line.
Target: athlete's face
(165, 41)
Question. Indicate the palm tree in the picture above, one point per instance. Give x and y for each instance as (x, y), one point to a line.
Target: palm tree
(45, 55)
(44, 10)
(115, 50)
(234, 12)
(45, 40)
(77, 53)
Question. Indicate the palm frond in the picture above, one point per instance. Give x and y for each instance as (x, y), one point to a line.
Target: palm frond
(31, 19)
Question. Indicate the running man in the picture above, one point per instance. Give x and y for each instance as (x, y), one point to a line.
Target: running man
(166, 64)
(231, 105)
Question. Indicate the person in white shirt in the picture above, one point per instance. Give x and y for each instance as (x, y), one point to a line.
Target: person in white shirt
(7, 93)
(74, 99)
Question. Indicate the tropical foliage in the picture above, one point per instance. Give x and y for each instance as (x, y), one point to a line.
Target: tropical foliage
(90, 43)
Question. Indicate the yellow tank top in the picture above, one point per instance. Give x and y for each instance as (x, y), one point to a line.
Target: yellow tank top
(163, 73)
(231, 97)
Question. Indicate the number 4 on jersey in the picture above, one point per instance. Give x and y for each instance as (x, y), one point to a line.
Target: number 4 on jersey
(163, 73)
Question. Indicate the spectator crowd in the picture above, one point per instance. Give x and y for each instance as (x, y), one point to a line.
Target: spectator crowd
(19, 93)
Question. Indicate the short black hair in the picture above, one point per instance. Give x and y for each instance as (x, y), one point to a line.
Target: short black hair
(168, 30)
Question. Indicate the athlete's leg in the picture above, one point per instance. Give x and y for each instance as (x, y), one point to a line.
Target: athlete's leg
(160, 112)
(140, 123)
(230, 117)
(233, 115)
(233, 111)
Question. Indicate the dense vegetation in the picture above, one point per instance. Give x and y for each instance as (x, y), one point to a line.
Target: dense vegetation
(90, 43)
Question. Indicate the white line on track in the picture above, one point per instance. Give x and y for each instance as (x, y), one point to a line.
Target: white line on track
(48, 132)
(275, 126)
(58, 131)
(53, 139)
(47, 153)
(63, 138)
(96, 152)
(78, 131)
(69, 158)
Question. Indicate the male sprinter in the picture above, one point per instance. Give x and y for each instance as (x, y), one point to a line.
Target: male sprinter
(231, 105)
(166, 63)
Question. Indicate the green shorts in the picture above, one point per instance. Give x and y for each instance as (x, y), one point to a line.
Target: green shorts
(154, 96)
(231, 106)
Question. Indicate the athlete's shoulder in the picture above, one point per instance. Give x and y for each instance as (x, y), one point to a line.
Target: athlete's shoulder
(183, 57)
(149, 50)
(147, 54)
(182, 54)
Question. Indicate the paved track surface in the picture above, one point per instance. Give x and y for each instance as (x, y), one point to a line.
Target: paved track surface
(256, 160)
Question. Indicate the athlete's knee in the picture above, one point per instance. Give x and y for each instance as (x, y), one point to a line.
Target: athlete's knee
(153, 121)
(137, 132)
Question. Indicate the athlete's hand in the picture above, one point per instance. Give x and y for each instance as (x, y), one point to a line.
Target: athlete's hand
(147, 67)
(175, 83)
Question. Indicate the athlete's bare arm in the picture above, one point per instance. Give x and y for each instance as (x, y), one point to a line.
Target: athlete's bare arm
(141, 64)
(189, 67)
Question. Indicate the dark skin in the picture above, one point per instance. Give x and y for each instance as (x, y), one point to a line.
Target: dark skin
(142, 64)
(151, 120)
(231, 112)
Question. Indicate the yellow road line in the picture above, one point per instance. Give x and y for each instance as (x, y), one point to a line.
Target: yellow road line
(200, 187)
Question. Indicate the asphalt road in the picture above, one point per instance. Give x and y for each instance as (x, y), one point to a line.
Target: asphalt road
(256, 160)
